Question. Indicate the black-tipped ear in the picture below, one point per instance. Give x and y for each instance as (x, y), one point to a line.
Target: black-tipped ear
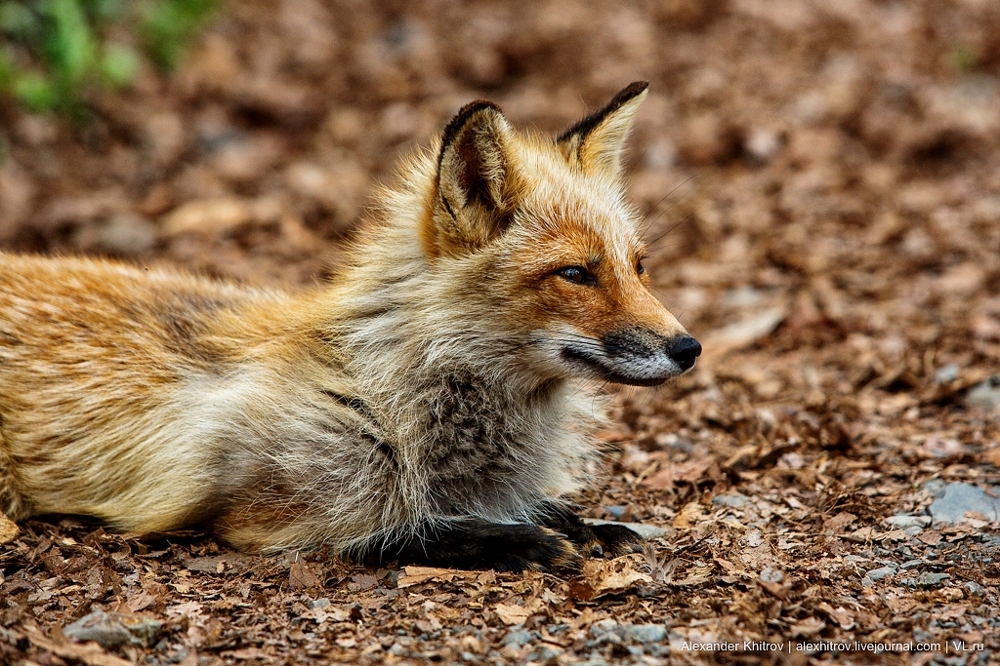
(473, 181)
(597, 142)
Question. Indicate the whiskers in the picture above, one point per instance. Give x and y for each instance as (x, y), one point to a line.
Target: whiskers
(648, 224)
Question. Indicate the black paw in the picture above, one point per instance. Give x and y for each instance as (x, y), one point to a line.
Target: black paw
(594, 540)
(477, 544)
(535, 548)
(617, 540)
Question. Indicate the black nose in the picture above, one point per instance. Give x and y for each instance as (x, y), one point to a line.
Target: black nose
(684, 351)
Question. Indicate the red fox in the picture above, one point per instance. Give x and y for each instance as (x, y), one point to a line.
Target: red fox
(432, 404)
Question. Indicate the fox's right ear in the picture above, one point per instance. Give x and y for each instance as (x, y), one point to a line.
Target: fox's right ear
(597, 142)
(473, 202)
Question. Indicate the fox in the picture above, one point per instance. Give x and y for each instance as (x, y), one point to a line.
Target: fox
(434, 402)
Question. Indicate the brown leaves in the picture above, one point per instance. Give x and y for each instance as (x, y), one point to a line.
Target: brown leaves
(413, 575)
(90, 654)
(604, 577)
(303, 576)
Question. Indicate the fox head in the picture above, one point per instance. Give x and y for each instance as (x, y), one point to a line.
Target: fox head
(539, 235)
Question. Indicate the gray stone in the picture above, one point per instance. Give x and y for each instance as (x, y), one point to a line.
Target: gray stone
(319, 603)
(913, 530)
(112, 630)
(881, 572)
(602, 627)
(616, 510)
(958, 498)
(644, 633)
(902, 521)
(544, 653)
(518, 637)
(771, 575)
(732, 498)
(932, 579)
(947, 373)
(935, 487)
(985, 394)
(642, 529)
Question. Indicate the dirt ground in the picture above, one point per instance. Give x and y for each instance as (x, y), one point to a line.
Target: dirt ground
(821, 182)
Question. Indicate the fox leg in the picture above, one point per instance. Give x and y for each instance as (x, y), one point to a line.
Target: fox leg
(594, 540)
(478, 544)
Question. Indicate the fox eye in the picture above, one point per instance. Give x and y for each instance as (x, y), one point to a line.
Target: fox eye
(577, 275)
(639, 268)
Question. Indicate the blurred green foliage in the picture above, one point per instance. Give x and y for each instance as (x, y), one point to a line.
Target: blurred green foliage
(53, 51)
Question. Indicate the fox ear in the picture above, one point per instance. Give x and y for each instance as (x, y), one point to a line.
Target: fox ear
(597, 142)
(473, 181)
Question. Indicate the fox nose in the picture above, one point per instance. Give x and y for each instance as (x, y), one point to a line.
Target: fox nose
(684, 350)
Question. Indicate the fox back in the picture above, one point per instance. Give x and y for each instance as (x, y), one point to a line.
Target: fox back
(441, 383)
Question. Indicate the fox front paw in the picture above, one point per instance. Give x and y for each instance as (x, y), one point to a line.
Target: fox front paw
(614, 540)
(594, 540)
(476, 544)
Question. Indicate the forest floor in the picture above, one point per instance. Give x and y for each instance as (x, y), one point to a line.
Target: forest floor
(821, 183)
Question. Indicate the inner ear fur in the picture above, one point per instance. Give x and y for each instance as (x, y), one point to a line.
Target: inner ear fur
(597, 142)
(474, 181)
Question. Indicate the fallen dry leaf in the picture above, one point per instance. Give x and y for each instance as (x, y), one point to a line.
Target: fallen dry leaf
(90, 653)
(8, 529)
(302, 576)
(807, 627)
(413, 575)
(692, 514)
(510, 614)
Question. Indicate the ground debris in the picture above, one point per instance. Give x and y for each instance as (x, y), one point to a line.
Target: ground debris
(820, 195)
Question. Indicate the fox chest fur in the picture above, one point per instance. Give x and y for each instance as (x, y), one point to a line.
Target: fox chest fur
(438, 382)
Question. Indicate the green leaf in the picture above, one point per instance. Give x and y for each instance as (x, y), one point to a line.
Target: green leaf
(119, 65)
(35, 91)
(71, 47)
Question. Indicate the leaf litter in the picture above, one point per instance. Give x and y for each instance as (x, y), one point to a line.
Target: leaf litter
(824, 482)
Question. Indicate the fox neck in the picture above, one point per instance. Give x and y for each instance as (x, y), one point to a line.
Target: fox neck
(482, 433)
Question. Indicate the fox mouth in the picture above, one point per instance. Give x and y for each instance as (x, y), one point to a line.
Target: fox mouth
(637, 357)
(600, 365)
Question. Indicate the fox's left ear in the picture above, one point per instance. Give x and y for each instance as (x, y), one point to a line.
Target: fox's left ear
(597, 142)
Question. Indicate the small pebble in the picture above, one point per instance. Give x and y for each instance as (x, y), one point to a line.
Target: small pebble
(881, 572)
(616, 510)
(960, 498)
(644, 633)
(733, 499)
(902, 521)
(932, 579)
(113, 630)
(947, 373)
(518, 637)
(985, 394)
(602, 627)
(771, 575)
